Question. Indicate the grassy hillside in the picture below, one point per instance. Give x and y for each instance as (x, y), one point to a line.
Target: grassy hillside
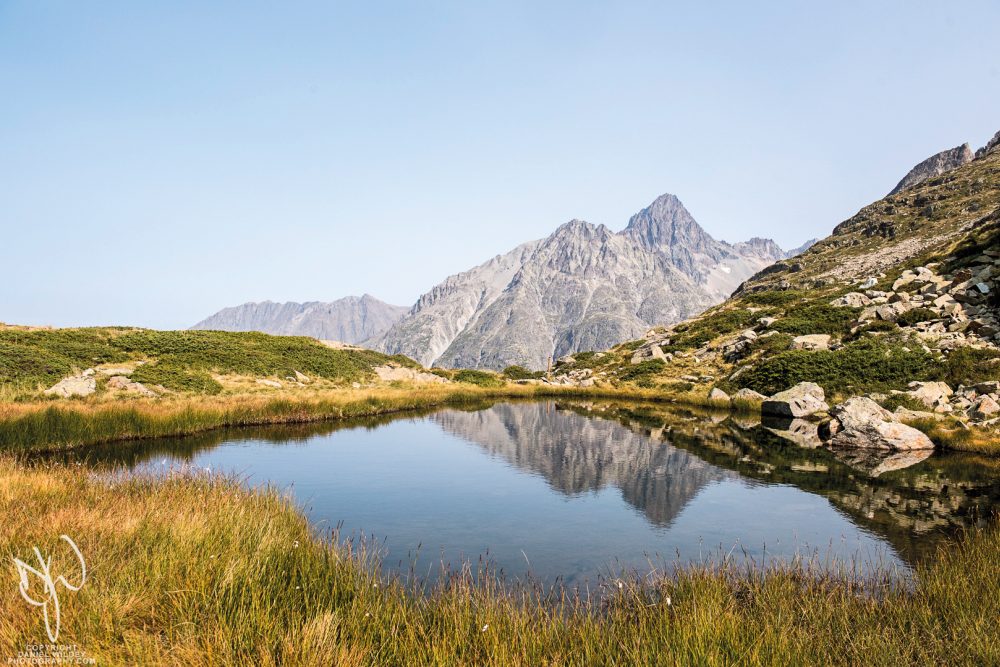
(179, 361)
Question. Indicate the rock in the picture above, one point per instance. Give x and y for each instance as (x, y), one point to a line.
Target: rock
(869, 283)
(864, 424)
(891, 312)
(303, 378)
(802, 400)
(750, 395)
(399, 374)
(274, 384)
(932, 394)
(852, 300)
(718, 395)
(984, 408)
(77, 385)
(122, 383)
(649, 352)
(811, 342)
(991, 387)
(765, 322)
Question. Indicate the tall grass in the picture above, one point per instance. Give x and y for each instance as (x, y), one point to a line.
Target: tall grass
(198, 571)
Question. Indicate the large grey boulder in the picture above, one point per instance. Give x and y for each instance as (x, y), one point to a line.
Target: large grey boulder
(802, 400)
(985, 408)
(864, 424)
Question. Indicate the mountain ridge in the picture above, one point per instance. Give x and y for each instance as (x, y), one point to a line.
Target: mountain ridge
(582, 285)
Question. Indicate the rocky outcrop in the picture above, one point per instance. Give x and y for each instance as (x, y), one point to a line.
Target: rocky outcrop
(992, 145)
(811, 342)
(935, 165)
(349, 320)
(861, 423)
(803, 400)
(585, 287)
(83, 384)
(400, 374)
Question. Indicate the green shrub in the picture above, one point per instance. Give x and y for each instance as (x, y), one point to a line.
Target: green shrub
(865, 365)
(968, 365)
(696, 333)
(817, 319)
(915, 316)
(642, 372)
(176, 378)
(772, 344)
(521, 373)
(773, 297)
(479, 378)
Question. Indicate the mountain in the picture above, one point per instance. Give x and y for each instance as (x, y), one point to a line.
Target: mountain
(935, 165)
(349, 320)
(582, 288)
(794, 252)
(899, 304)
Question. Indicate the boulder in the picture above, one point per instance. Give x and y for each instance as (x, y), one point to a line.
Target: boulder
(718, 395)
(852, 300)
(811, 342)
(302, 377)
(934, 395)
(864, 424)
(802, 400)
(750, 395)
(984, 408)
(273, 384)
(77, 385)
(390, 373)
(122, 383)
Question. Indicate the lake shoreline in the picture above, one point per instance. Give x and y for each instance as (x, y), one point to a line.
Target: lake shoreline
(75, 423)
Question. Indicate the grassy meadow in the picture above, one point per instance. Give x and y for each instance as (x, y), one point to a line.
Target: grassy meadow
(195, 570)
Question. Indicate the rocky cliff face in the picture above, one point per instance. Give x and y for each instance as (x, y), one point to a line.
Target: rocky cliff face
(935, 165)
(582, 288)
(349, 320)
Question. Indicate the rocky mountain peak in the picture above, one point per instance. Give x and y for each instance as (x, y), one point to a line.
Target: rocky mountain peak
(991, 145)
(935, 165)
(760, 247)
(665, 223)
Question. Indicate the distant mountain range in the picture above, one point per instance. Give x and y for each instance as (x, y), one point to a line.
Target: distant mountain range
(585, 287)
(352, 319)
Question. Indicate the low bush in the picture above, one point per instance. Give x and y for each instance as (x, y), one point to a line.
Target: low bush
(817, 318)
(521, 373)
(478, 378)
(642, 373)
(915, 316)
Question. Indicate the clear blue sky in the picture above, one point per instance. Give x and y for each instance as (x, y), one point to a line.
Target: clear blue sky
(159, 161)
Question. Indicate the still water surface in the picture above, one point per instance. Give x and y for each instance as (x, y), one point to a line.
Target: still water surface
(572, 491)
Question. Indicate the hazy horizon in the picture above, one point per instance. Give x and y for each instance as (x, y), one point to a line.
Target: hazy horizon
(161, 163)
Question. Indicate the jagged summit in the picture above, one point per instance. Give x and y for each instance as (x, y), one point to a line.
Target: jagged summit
(935, 165)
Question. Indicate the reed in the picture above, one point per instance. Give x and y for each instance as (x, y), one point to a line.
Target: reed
(197, 570)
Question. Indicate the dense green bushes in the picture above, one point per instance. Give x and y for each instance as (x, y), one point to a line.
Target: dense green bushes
(817, 318)
(521, 373)
(478, 378)
(915, 316)
(864, 365)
